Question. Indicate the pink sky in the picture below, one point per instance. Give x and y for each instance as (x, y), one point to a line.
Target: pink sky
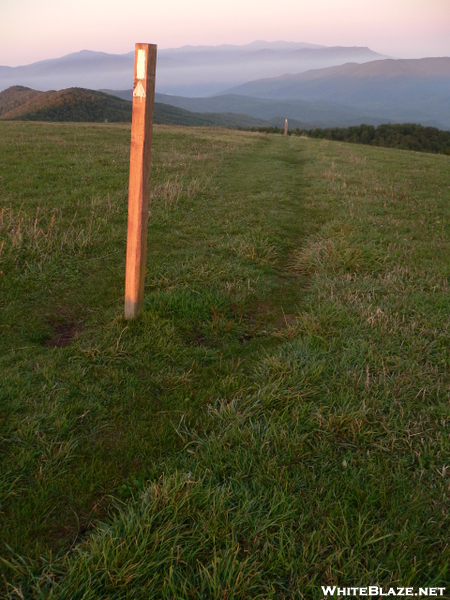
(32, 30)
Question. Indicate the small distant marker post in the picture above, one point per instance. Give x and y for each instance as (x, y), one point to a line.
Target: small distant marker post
(138, 190)
(285, 127)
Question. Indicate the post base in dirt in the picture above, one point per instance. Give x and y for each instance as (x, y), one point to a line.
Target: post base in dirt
(138, 192)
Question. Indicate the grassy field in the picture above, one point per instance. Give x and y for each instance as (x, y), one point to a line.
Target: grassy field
(279, 417)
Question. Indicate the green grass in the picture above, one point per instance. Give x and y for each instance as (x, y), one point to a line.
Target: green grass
(276, 420)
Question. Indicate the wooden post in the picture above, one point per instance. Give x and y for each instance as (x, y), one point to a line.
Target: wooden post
(138, 191)
(285, 127)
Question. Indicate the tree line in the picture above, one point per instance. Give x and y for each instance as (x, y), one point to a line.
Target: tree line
(406, 136)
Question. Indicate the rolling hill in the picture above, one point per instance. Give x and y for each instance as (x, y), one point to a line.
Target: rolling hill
(80, 105)
(73, 104)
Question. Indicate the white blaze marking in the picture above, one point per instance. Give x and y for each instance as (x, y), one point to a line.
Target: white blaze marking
(140, 69)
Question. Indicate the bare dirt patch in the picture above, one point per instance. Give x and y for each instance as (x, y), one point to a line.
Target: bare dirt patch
(63, 329)
(63, 334)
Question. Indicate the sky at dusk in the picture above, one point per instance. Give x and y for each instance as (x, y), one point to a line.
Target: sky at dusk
(32, 30)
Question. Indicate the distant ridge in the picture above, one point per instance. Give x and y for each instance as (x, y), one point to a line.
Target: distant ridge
(402, 90)
(313, 81)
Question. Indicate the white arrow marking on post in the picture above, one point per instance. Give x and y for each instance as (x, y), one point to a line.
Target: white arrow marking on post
(139, 91)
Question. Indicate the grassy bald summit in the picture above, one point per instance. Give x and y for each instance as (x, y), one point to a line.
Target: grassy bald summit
(277, 419)
(82, 105)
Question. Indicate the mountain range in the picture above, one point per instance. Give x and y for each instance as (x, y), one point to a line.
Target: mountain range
(187, 71)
